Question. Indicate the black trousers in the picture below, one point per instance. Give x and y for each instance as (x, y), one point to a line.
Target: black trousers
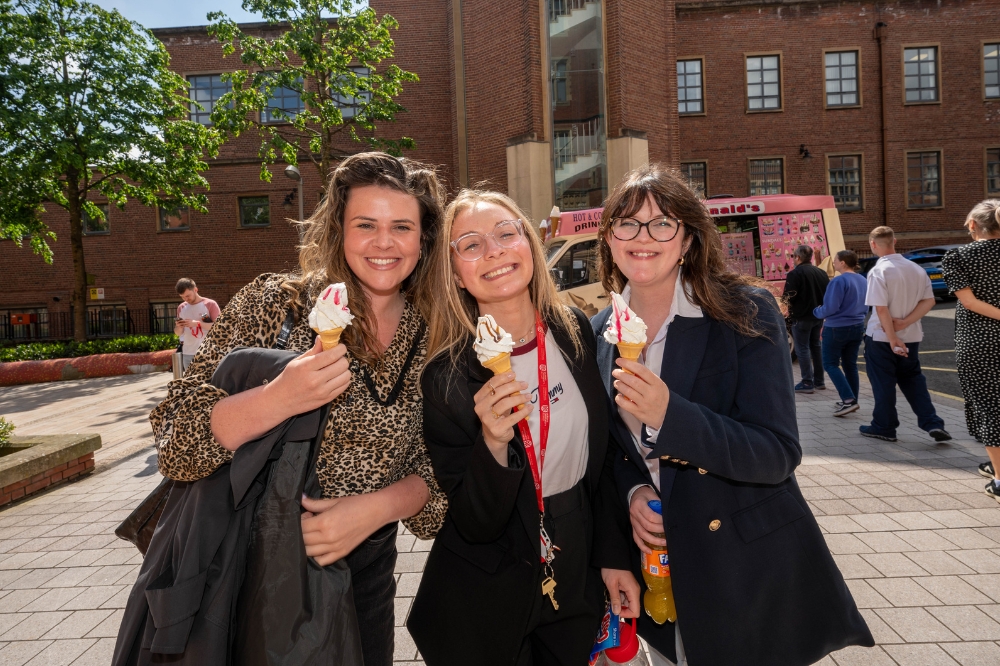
(565, 637)
(372, 565)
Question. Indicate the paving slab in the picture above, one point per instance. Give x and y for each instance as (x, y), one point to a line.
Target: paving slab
(907, 522)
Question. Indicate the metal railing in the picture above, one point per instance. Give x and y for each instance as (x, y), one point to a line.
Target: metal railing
(559, 8)
(577, 140)
(104, 323)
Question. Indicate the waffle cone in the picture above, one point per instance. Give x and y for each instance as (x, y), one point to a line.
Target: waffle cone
(499, 364)
(330, 338)
(630, 350)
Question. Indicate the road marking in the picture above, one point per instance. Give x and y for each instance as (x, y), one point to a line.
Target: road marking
(937, 351)
(925, 367)
(946, 395)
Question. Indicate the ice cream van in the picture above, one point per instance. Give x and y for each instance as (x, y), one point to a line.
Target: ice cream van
(759, 235)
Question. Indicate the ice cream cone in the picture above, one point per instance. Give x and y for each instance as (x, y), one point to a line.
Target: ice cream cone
(630, 350)
(330, 338)
(499, 364)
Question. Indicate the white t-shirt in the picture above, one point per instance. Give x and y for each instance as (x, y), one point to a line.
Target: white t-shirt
(196, 312)
(568, 447)
(652, 358)
(900, 284)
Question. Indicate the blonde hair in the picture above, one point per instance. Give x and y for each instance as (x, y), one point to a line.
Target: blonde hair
(456, 312)
(321, 254)
(882, 236)
(986, 216)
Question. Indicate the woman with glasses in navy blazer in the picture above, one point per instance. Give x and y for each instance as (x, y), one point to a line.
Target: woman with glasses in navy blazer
(705, 421)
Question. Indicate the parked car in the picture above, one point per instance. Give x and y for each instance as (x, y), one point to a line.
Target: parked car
(929, 258)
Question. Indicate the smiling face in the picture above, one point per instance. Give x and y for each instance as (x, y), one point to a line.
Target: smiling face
(645, 262)
(502, 273)
(381, 237)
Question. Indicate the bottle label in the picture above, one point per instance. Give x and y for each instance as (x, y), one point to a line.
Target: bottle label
(656, 563)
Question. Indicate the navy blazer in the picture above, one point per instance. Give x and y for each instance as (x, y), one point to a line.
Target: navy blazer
(752, 576)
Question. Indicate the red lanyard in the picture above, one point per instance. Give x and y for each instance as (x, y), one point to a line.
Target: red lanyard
(543, 410)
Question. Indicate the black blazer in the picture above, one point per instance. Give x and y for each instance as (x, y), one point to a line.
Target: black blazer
(752, 576)
(481, 576)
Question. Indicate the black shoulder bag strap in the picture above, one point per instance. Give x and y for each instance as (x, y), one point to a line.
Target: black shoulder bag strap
(286, 330)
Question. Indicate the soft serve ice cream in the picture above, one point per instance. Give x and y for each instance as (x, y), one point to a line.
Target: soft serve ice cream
(493, 345)
(330, 315)
(625, 329)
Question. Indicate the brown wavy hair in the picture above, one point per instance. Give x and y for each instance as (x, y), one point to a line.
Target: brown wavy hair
(321, 254)
(454, 318)
(721, 294)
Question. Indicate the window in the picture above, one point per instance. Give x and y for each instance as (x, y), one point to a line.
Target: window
(993, 171)
(255, 212)
(763, 83)
(697, 177)
(767, 176)
(842, 78)
(845, 181)
(991, 70)
(923, 180)
(560, 81)
(920, 74)
(107, 320)
(350, 105)
(175, 219)
(162, 316)
(283, 105)
(206, 90)
(96, 227)
(689, 87)
(576, 267)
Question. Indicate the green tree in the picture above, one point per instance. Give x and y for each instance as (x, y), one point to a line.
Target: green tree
(88, 104)
(317, 81)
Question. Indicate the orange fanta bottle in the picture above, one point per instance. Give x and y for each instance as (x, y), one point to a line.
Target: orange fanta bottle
(659, 597)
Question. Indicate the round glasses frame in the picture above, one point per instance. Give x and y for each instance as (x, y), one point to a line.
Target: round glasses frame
(518, 224)
(649, 230)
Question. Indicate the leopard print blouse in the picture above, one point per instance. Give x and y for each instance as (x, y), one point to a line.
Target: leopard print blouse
(366, 446)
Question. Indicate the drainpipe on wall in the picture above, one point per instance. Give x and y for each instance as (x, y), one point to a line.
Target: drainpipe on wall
(880, 27)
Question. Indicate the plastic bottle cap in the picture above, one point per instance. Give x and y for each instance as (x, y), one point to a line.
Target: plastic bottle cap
(628, 645)
(656, 506)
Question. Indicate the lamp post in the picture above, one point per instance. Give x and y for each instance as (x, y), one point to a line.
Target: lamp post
(292, 172)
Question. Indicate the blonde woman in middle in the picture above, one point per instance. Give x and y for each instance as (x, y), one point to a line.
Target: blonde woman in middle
(518, 484)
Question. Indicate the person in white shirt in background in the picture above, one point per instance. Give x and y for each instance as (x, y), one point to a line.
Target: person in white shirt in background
(195, 316)
(901, 294)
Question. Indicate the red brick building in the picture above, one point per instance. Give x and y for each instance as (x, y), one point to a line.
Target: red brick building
(893, 108)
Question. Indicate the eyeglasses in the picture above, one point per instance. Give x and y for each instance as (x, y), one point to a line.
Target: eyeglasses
(473, 245)
(661, 229)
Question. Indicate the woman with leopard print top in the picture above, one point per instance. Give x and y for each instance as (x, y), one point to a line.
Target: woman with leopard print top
(374, 232)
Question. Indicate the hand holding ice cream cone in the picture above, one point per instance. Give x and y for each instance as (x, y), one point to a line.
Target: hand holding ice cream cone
(330, 315)
(493, 346)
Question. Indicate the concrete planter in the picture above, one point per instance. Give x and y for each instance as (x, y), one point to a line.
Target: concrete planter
(97, 365)
(41, 461)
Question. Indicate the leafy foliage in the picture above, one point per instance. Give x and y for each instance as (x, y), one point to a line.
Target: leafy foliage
(329, 54)
(42, 351)
(88, 104)
(6, 430)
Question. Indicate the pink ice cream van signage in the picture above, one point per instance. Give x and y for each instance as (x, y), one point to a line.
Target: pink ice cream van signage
(579, 222)
(730, 209)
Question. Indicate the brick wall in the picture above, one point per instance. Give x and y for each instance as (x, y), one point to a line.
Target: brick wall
(961, 125)
(50, 477)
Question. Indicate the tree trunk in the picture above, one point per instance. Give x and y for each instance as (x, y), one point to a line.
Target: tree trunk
(79, 267)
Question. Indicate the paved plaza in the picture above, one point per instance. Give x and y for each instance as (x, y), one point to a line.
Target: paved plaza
(908, 523)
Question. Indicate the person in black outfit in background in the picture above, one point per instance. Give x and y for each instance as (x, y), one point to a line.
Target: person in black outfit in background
(804, 288)
(481, 599)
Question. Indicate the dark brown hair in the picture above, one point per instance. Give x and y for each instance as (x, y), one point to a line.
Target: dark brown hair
(321, 254)
(184, 284)
(849, 257)
(722, 294)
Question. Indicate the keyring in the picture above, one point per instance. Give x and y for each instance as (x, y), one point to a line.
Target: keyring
(493, 391)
